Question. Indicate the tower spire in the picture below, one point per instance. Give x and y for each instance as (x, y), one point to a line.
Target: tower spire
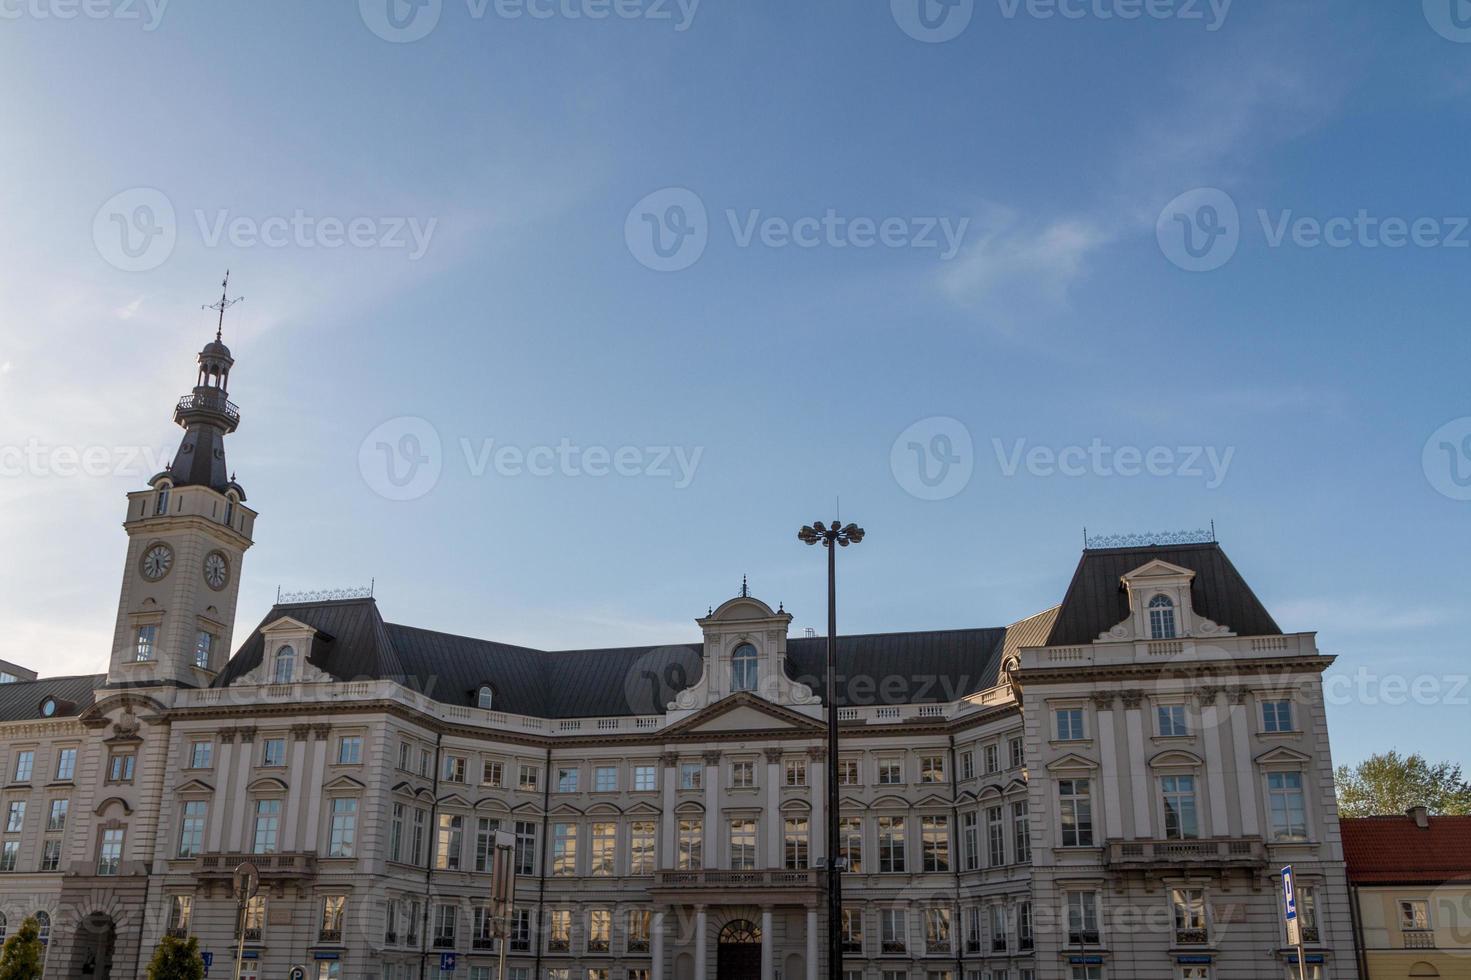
(224, 304)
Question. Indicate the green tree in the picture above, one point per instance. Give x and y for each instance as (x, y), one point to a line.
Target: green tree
(1391, 783)
(176, 959)
(21, 959)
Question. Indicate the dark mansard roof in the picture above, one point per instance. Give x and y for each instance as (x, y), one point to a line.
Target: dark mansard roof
(21, 700)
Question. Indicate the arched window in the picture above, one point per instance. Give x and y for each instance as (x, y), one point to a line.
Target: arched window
(230, 509)
(43, 920)
(743, 668)
(285, 666)
(484, 697)
(740, 932)
(1161, 618)
(162, 507)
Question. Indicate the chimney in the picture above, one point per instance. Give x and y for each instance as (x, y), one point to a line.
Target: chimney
(1420, 815)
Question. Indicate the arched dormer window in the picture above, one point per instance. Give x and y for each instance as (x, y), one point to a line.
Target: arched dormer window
(484, 697)
(743, 668)
(230, 509)
(1161, 618)
(285, 666)
(162, 504)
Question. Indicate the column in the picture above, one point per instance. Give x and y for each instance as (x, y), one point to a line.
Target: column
(712, 809)
(812, 946)
(1138, 761)
(773, 809)
(299, 776)
(1112, 780)
(221, 802)
(701, 960)
(1246, 784)
(817, 792)
(1215, 764)
(668, 856)
(656, 944)
(767, 953)
(320, 734)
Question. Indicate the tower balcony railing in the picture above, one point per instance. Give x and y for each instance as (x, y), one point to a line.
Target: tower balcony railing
(208, 400)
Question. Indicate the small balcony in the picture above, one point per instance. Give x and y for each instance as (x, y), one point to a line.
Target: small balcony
(638, 945)
(1419, 939)
(1204, 852)
(1192, 937)
(329, 936)
(272, 867)
(444, 942)
(483, 944)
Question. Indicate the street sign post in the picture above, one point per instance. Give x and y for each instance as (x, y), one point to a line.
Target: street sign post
(1294, 926)
(503, 891)
(209, 961)
(297, 973)
(446, 962)
(246, 885)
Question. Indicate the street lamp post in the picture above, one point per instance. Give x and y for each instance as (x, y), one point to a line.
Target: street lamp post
(832, 537)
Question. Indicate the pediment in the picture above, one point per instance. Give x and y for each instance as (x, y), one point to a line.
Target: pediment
(885, 802)
(851, 803)
(643, 806)
(194, 786)
(286, 624)
(933, 799)
(745, 712)
(566, 809)
(111, 801)
(689, 806)
(407, 788)
(604, 808)
(796, 804)
(1177, 758)
(343, 782)
(526, 808)
(455, 800)
(267, 784)
(992, 791)
(492, 803)
(1282, 755)
(1072, 761)
(1158, 569)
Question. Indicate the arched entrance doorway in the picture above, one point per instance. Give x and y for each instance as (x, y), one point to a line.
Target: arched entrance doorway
(92, 950)
(739, 951)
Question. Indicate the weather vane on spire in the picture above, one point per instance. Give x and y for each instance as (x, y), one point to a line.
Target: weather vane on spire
(224, 304)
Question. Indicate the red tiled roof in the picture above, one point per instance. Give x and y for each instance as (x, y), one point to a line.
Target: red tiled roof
(1385, 850)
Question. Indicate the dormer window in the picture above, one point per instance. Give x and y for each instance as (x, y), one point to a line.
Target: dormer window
(484, 697)
(743, 668)
(230, 509)
(285, 666)
(162, 504)
(1161, 618)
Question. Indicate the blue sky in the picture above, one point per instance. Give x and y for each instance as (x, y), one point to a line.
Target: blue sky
(529, 154)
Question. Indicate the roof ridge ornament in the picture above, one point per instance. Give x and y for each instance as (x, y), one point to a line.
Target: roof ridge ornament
(325, 595)
(224, 304)
(1149, 539)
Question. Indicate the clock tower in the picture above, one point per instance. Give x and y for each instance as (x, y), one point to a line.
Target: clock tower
(187, 534)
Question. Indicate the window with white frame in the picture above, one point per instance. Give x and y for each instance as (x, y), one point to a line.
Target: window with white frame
(1188, 909)
(605, 779)
(850, 843)
(454, 769)
(1082, 918)
(66, 765)
(350, 750)
(1414, 915)
(1277, 715)
(1076, 811)
(893, 930)
(283, 669)
(485, 697)
(934, 841)
(1171, 720)
(1068, 725)
(1016, 749)
(492, 772)
(344, 827)
(742, 844)
(891, 771)
(567, 778)
(742, 774)
(995, 838)
(267, 827)
(1021, 832)
(932, 769)
(970, 840)
(451, 841)
(891, 844)
(796, 772)
(691, 775)
(564, 849)
(1182, 820)
(604, 848)
(744, 668)
(967, 764)
(1161, 618)
(1286, 806)
(641, 847)
(796, 843)
(691, 844)
(645, 779)
(110, 851)
(528, 779)
(937, 929)
(191, 827)
(998, 928)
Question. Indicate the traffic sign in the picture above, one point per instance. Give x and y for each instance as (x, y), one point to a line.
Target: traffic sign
(1289, 905)
(247, 881)
(297, 973)
(209, 961)
(446, 962)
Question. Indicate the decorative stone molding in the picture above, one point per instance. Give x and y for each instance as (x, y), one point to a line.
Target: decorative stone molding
(712, 758)
(227, 736)
(816, 753)
(669, 759)
(1132, 698)
(773, 756)
(247, 735)
(320, 732)
(1102, 700)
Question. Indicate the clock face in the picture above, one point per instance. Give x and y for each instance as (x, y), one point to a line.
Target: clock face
(157, 561)
(216, 570)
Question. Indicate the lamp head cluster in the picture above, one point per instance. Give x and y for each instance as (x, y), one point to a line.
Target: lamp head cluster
(828, 533)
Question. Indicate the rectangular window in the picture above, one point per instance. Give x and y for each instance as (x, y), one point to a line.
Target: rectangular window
(1021, 832)
(1069, 724)
(485, 831)
(891, 771)
(273, 752)
(893, 930)
(1188, 905)
(1307, 913)
(529, 779)
(66, 765)
(204, 646)
(1414, 916)
(995, 838)
(1082, 918)
(604, 848)
(1024, 926)
(525, 847)
(1277, 716)
(191, 828)
(416, 843)
(445, 920)
(267, 826)
(411, 923)
(850, 843)
(454, 769)
(1077, 812)
(853, 931)
(641, 847)
(937, 930)
(1181, 819)
(973, 930)
(967, 765)
(993, 759)
(110, 852)
(796, 843)
(482, 931)
(605, 779)
(15, 816)
(201, 755)
(970, 839)
(1017, 752)
(350, 750)
(796, 770)
(998, 929)
(1171, 720)
(1286, 806)
(396, 833)
(119, 767)
(742, 844)
(56, 818)
(51, 854)
(891, 844)
(691, 855)
(691, 775)
(599, 930)
(520, 932)
(146, 640)
(640, 921)
(934, 842)
(742, 774)
(334, 913)
(181, 908)
(344, 827)
(424, 758)
(848, 774)
(405, 751)
(645, 779)
(25, 765)
(492, 772)
(932, 769)
(567, 779)
(559, 931)
(451, 841)
(564, 849)
(9, 851)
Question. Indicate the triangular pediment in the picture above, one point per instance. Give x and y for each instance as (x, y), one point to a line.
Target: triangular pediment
(454, 800)
(194, 786)
(644, 806)
(1282, 755)
(1158, 569)
(286, 624)
(1071, 761)
(344, 782)
(744, 713)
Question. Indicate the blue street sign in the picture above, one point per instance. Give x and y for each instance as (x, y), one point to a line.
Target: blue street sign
(446, 962)
(209, 961)
(1289, 897)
